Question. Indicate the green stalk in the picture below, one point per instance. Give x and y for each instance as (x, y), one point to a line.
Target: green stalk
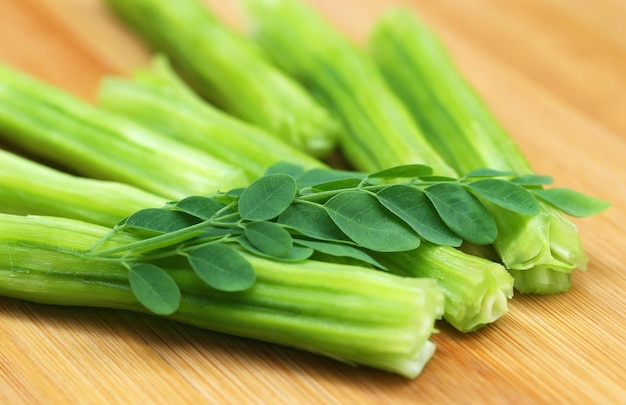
(461, 127)
(476, 290)
(379, 131)
(54, 125)
(420, 71)
(228, 70)
(27, 187)
(157, 98)
(345, 312)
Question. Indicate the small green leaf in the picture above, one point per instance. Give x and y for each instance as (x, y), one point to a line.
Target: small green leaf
(311, 220)
(364, 220)
(324, 175)
(269, 237)
(486, 172)
(295, 254)
(507, 195)
(406, 171)
(160, 220)
(412, 206)
(463, 213)
(214, 232)
(533, 180)
(226, 198)
(154, 288)
(201, 207)
(572, 202)
(437, 179)
(222, 267)
(267, 197)
(232, 194)
(336, 185)
(341, 250)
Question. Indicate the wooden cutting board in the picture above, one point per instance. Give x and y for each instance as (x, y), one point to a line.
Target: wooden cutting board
(552, 71)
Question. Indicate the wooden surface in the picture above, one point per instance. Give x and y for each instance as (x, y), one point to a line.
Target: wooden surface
(553, 71)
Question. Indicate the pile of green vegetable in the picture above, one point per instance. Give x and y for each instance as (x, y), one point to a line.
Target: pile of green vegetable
(202, 192)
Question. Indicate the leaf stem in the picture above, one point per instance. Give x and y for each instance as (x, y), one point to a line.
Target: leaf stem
(155, 242)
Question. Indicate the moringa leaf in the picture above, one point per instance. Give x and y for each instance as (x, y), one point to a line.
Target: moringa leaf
(411, 205)
(311, 220)
(437, 179)
(295, 254)
(572, 202)
(325, 175)
(154, 288)
(463, 213)
(340, 250)
(269, 237)
(221, 267)
(336, 185)
(233, 194)
(267, 197)
(364, 220)
(532, 180)
(406, 171)
(201, 207)
(160, 220)
(507, 195)
(214, 232)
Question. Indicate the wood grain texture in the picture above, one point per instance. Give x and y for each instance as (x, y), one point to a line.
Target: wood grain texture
(553, 73)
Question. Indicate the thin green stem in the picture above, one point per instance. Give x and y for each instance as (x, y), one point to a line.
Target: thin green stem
(155, 242)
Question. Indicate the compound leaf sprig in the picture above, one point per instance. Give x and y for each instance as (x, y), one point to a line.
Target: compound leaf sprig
(290, 214)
